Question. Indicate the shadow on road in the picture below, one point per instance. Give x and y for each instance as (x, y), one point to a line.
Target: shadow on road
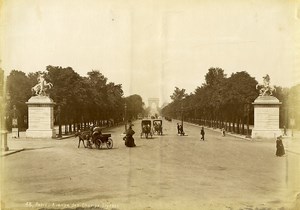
(28, 149)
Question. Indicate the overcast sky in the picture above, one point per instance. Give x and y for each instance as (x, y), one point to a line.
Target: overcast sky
(152, 46)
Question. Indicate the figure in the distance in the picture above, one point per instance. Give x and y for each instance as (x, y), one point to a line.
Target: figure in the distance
(279, 147)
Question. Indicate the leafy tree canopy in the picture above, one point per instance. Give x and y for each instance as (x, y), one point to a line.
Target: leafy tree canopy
(178, 94)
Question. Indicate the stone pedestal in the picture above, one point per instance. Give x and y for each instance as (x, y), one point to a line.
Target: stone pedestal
(40, 117)
(266, 117)
(15, 133)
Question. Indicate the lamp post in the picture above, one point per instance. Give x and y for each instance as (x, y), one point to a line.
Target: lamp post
(125, 117)
(15, 127)
(25, 121)
(59, 122)
(248, 110)
(285, 120)
(292, 121)
(182, 132)
(3, 136)
(182, 116)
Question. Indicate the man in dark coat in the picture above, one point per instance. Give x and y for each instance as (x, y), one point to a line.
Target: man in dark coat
(202, 133)
(279, 147)
(129, 141)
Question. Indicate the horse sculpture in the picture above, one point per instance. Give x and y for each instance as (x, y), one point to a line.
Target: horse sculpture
(42, 86)
(265, 89)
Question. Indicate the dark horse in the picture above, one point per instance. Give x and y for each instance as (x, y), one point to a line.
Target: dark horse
(83, 136)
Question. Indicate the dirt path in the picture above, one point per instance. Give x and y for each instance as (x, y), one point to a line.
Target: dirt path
(166, 172)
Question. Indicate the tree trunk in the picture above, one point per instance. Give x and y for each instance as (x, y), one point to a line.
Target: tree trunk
(66, 129)
(238, 125)
(70, 128)
(243, 126)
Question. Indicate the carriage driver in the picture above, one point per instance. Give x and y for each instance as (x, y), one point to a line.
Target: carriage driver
(97, 133)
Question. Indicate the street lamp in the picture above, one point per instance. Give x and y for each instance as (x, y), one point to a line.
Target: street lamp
(15, 127)
(182, 132)
(125, 117)
(292, 120)
(59, 122)
(25, 121)
(248, 110)
(3, 136)
(182, 116)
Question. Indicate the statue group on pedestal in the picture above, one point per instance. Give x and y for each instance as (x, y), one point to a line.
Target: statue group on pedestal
(41, 88)
(265, 89)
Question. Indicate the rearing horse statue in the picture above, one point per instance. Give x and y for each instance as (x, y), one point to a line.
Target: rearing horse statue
(266, 89)
(42, 86)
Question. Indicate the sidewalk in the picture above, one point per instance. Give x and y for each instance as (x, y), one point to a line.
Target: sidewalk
(219, 130)
(291, 143)
(296, 134)
(22, 143)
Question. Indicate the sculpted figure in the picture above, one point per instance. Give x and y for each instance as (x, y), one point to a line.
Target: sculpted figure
(265, 89)
(42, 86)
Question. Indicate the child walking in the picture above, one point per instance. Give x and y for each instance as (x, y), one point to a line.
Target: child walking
(202, 133)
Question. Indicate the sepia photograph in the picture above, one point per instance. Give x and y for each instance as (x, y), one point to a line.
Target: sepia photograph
(150, 104)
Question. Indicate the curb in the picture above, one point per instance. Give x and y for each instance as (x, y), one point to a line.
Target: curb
(65, 137)
(12, 152)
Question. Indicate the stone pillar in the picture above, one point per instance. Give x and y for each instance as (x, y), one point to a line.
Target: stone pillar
(40, 117)
(266, 117)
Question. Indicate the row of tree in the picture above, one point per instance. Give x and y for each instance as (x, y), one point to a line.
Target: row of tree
(78, 99)
(227, 101)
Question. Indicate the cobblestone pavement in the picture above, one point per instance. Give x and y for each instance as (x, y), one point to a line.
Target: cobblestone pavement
(165, 172)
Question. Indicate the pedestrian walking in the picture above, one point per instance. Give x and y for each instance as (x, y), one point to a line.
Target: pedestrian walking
(279, 147)
(178, 128)
(284, 131)
(181, 130)
(223, 132)
(202, 133)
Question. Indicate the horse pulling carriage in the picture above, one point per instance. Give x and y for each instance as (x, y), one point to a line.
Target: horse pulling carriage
(146, 129)
(95, 138)
(100, 141)
(157, 127)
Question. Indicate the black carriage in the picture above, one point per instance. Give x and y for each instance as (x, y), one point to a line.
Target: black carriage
(146, 129)
(157, 127)
(168, 119)
(100, 139)
(104, 139)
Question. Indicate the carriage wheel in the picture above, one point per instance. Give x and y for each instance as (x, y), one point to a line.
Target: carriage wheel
(98, 144)
(89, 145)
(109, 143)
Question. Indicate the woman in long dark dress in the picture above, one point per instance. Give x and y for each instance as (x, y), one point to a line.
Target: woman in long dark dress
(129, 141)
(279, 147)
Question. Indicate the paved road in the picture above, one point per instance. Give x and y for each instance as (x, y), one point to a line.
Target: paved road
(166, 172)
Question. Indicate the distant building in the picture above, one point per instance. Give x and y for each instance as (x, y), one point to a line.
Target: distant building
(153, 104)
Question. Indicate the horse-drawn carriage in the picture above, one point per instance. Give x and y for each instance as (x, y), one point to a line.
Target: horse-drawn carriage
(101, 140)
(95, 138)
(157, 127)
(168, 119)
(146, 128)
